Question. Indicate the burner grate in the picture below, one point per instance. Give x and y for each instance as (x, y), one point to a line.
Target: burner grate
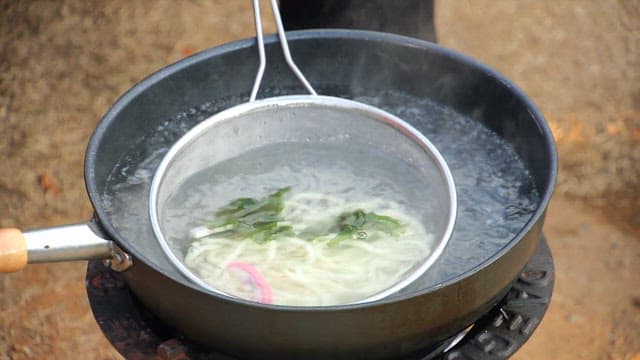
(137, 334)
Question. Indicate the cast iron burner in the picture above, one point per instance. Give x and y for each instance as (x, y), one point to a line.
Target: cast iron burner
(137, 334)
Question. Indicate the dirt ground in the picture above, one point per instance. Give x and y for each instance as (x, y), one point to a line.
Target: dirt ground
(62, 63)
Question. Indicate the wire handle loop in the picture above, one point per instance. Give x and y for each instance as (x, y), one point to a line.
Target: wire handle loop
(285, 50)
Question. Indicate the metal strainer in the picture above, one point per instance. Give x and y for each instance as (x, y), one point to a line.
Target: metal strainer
(303, 119)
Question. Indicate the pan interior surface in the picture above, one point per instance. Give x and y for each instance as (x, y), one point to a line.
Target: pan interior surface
(484, 131)
(496, 194)
(334, 157)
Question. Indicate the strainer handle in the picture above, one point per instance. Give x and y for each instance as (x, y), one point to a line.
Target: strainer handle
(283, 43)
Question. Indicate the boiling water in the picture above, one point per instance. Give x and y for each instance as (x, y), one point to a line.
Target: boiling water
(354, 174)
(496, 195)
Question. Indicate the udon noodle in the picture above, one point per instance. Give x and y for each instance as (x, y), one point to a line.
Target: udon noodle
(305, 265)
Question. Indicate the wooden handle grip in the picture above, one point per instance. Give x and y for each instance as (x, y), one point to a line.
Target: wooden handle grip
(13, 250)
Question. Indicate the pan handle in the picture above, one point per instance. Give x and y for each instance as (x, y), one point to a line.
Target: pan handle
(60, 243)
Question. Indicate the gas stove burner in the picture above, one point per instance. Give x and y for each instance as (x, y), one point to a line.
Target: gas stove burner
(137, 334)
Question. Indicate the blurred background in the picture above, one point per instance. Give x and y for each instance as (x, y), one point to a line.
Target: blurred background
(63, 63)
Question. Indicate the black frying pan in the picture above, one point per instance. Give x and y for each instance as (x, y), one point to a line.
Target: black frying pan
(354, 64)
